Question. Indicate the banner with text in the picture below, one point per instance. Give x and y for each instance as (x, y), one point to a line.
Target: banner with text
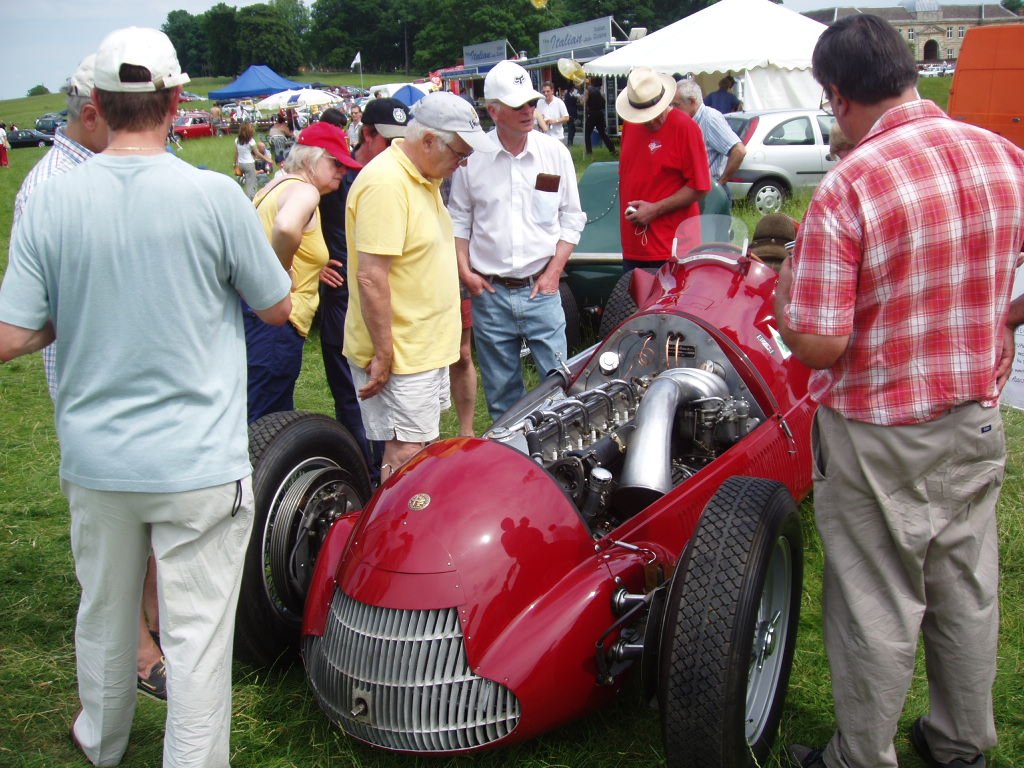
(583, 35)
(482, 54)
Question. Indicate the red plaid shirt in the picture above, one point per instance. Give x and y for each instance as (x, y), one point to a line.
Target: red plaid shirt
(909, 248)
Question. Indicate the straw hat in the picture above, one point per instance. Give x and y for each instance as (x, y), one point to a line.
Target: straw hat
(647, 95)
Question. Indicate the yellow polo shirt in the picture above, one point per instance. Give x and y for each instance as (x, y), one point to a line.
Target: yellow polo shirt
(395, 211)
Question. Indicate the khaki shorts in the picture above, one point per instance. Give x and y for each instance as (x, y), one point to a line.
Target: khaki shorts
(409, 407)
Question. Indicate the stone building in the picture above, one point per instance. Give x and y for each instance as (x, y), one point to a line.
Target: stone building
(933, 31)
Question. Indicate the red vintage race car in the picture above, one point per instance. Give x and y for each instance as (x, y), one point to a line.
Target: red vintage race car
(636, 511)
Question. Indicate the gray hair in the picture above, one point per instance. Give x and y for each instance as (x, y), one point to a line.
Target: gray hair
(302, 158)
(689, 90)
(76, 103)
(415, 131)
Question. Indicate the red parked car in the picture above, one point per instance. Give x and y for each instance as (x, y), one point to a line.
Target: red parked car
(636, 511)
(194, 125)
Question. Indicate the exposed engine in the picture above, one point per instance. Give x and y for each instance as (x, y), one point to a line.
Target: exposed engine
(658, 403)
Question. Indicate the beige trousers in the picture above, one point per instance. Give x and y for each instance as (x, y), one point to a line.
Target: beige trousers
(200, 547)
(907, 516)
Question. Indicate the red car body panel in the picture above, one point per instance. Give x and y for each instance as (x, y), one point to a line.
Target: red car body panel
(479, 526)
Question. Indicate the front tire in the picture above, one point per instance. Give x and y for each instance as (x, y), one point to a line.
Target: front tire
(730, 627)
(768, 196)
(307, 471)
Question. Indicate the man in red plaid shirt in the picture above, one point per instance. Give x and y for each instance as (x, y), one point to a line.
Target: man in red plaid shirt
(898, 295)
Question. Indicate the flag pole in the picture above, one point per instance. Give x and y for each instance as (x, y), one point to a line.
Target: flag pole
(358, 60)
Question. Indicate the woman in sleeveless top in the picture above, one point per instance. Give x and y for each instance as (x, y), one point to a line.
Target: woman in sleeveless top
(288, 210)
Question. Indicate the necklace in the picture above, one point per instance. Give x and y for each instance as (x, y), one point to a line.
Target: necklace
(135, 149)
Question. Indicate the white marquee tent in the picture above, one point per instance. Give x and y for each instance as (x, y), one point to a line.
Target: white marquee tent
(769, 46)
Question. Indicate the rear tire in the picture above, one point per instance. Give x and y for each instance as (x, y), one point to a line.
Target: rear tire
(619, 306)
(729, 629)
(307, 471)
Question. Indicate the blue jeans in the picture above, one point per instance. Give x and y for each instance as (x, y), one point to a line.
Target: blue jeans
(501, 320)
(275, 360)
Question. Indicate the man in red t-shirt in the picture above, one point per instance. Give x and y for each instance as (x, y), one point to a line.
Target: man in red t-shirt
(663, 172)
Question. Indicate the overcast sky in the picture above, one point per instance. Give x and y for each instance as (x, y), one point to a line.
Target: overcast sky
(43, 40)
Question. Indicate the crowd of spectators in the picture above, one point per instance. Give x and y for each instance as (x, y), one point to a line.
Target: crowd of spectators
(358, 229)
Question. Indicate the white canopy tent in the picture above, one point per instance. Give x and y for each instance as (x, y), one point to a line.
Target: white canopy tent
(765, 44)
(305, 97)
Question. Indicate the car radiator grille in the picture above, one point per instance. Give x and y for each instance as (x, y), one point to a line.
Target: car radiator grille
(399, 679)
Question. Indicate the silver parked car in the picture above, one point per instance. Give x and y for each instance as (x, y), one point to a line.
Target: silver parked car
(787, 149)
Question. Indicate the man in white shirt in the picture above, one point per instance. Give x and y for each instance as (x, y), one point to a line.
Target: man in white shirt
(517, 218)
(551, 112)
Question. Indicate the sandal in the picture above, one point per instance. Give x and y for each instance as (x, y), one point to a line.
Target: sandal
(155, 683)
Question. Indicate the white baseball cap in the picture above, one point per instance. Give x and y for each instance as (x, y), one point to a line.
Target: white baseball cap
(140, 47)
(82, 81)
(445, 111)
(510, 84)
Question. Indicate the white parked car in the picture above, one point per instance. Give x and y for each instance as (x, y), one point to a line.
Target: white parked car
(787, 150)
(941, 69)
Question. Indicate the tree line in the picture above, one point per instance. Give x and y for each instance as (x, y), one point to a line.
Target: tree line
(390, 35)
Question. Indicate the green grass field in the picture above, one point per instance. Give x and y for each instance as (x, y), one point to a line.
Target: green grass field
(276, 723)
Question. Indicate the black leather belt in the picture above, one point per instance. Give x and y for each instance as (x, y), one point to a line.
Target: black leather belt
(513, 282)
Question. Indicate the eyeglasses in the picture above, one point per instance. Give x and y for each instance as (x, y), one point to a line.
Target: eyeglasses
(337, 163)
(463, 156)
(826, 102)
(531, 104)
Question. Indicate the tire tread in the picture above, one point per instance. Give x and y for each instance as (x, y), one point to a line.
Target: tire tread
(701, 660)
(619, 306)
